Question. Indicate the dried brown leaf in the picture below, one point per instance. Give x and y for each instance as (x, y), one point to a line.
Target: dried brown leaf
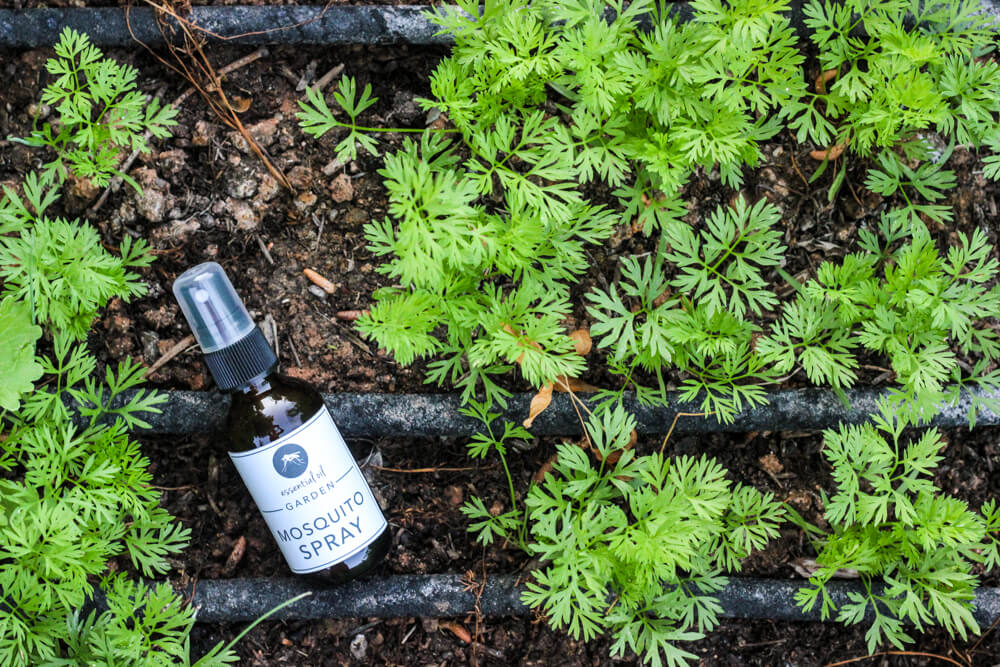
(509, 329)
(823, 78)
(456, 630)
(539, 402)
(240, 104)
(581, 341)
(831, 153)
(351, 315)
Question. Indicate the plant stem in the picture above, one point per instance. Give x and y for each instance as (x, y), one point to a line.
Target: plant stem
(510, 480)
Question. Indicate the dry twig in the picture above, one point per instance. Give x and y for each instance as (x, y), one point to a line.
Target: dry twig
(426, 470)
(320, 281)
(192, 63)
(184, 344)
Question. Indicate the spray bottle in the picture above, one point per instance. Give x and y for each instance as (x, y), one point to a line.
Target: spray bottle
(283, 441)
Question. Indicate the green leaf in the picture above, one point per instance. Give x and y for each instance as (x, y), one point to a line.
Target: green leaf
(18, 365)
(723, 266)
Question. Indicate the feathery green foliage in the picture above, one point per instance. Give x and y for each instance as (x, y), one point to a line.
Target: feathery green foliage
(700, 329)
(317, 119)
(893, 81)
(637, 547)
(100, 112)
(489, 221)
(510, 525)
(898, 298)
(492, 281)
(899, 69)
(484, 247)
(18, 365)
(60, 268)
(488, 225)
(888, 520)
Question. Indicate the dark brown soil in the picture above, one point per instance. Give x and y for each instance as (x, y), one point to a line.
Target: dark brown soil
(206, 196)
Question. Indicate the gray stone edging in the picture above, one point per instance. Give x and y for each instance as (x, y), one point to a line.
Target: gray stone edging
(429, 415)
(442, 595)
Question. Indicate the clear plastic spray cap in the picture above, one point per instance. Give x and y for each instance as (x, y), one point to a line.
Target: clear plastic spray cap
(215, 312)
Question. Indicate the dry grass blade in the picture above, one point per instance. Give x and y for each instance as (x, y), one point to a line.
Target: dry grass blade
(920, 654)
(674, 424)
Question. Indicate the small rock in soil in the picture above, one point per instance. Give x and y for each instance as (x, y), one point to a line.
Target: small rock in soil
(341, 189)
(172, 161)
(777, 188)
(359, 647)
(305, 201)
(38, 111)
(454, 495)
(263, 133)
(149, 341)
(126, 212)
(243, 214)
(204, 133)
(152, 203)
(160, 317)
(332, 167)
(288, 159)
(178, 231)
(268, 188)
(844, 233)
(317, 291)
(241, 183)
(356, 217)
(79, 193)
(119, 342)
(404, 108)
(300, 177)
(369, 464)
(800, 500)
(771, 463)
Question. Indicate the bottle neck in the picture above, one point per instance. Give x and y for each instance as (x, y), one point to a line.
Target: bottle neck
(242, 362)
(260, 384)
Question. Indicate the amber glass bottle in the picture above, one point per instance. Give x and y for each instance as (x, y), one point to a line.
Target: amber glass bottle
(283, 441)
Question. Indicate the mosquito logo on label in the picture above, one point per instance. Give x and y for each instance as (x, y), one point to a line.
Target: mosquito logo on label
(290, 460)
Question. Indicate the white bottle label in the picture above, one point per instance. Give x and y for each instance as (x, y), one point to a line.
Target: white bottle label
(312, 495)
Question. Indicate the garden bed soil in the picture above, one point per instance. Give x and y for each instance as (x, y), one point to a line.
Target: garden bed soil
(430, 537)
(207, 197)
